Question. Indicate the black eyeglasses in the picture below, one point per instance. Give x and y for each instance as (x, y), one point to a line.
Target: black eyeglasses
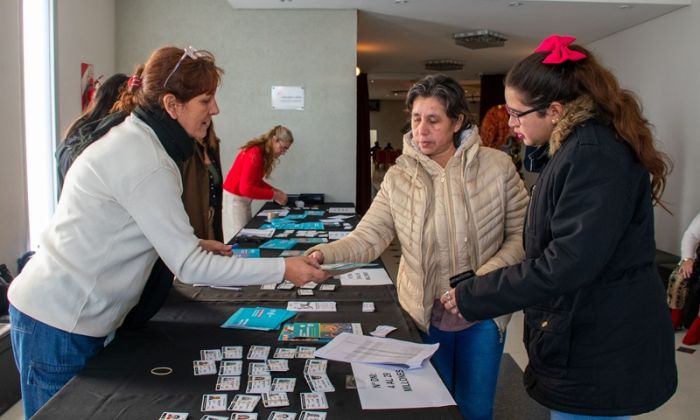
(190, 52)
(518, 114)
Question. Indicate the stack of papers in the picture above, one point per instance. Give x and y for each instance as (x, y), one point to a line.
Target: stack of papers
(361, 348)
(258, 318)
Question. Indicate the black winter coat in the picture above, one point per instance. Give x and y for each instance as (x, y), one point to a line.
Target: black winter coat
(597, 329)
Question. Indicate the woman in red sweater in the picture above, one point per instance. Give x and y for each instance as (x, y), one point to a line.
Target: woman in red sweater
(244, 182)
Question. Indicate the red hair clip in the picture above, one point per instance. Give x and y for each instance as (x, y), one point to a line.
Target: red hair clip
(134, 82)
(558, 48)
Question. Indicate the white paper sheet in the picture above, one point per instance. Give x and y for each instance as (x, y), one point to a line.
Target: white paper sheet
(335, 234)
(366, 277)
(389, 387)
(260, 233)
(278, 213)
(348, 347)
(341, 210)
(302, 306)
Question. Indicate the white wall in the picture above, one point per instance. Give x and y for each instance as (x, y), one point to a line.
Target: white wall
(659, 61)
(85, 33)
(258, 49)
(14, 229)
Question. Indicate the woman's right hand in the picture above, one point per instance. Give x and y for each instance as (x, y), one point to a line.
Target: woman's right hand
(317, 255)
(686, 268)
(279, 197)
(303, 269)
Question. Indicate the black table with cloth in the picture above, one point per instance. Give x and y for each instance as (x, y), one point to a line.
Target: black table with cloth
(118, 383)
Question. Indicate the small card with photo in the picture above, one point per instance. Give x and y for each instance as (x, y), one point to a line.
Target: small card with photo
(367, 306)
(305, 292)
(277, 399)
(258, 352)
(319, 382)
(382, 330)
(312, 415)
(305, 352)
(214, 402)
(315, 366)
(350, 382)
(258, 384)
(313, 401)
(327, 287)
(231, 367)
(282, 415)
(258, 369)
(169, 415)
(268, 286)
(309, 285)
(283, 385)
(232, 352)
(243, 402)
(210, 354)
(285, 285)
(285, 353)
(228, 383)
(277, 365)
(204, 367)
(244, 416)
(210, 417)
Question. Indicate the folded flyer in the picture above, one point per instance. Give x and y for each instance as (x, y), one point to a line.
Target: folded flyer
(258, 318)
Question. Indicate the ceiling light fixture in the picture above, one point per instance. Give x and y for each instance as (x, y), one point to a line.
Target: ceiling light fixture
(446, 64)
(480, 39)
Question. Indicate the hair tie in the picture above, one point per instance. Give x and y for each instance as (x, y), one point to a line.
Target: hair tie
(558, 48)
(134, 82)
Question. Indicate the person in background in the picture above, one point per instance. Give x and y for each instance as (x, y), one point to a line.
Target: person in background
(82, 132)
(245, 180)
(121, 208)
(677, 291)
(454, 206)
(597, 329)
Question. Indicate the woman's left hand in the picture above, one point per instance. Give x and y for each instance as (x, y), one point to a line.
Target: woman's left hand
(449, 301)
(216, 247)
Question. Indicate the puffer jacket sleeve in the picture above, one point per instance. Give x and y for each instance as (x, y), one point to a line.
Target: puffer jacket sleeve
(372, 235)
(516, 199)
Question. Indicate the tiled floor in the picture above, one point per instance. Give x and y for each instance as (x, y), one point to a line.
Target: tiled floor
(684, 403)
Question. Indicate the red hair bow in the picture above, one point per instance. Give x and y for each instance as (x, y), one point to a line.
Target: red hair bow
(134, 82)
(558, 49)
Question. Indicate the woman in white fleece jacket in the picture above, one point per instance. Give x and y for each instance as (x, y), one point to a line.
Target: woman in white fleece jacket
(454, 206)
(120, 208)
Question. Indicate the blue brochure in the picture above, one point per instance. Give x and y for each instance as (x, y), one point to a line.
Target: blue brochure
(258, 318)
(246, 252)
(279, 244)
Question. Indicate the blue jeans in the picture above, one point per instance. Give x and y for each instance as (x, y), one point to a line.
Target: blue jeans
(558, 415)
(46, 358)
(468, 362)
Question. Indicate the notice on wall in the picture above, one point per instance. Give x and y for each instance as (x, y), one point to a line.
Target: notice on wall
(390, 387)
(288, 97)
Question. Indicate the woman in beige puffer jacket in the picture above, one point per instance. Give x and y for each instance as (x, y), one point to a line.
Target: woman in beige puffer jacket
(454, 206)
